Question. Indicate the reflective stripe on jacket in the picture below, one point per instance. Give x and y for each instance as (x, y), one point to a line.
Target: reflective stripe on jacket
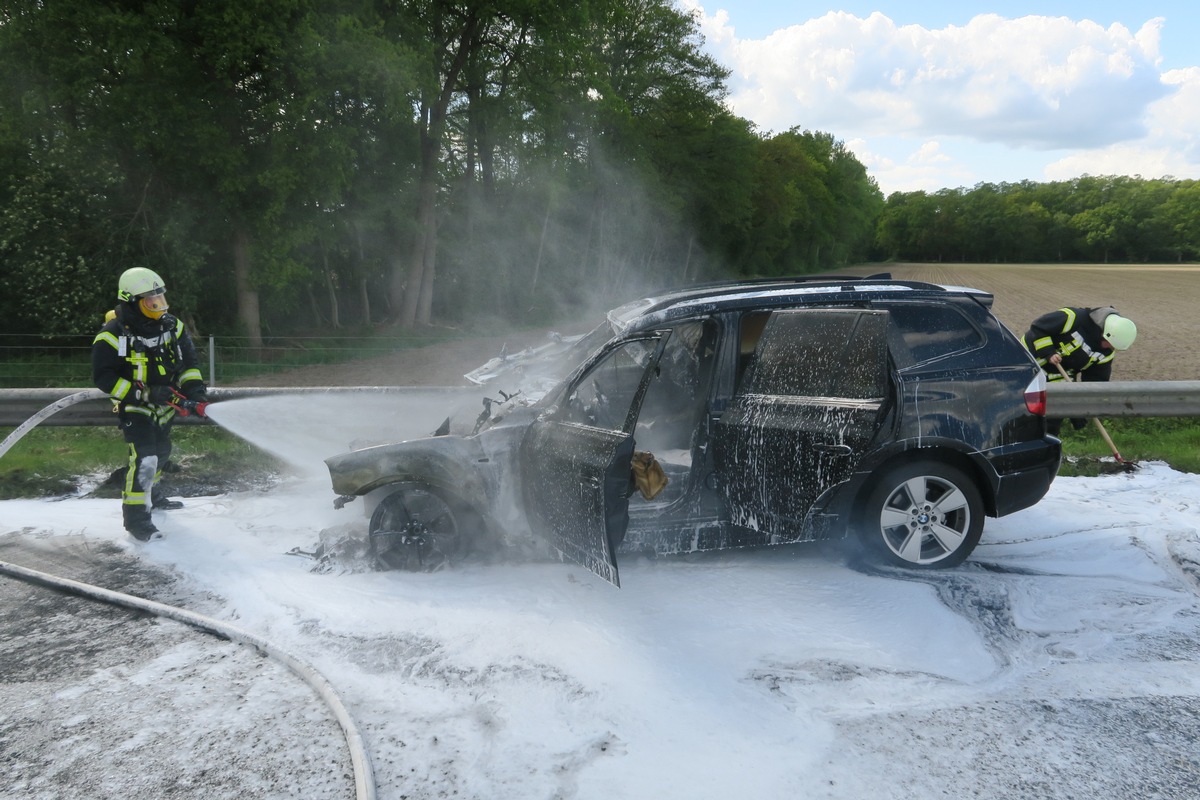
(155, 353)
(1076, 336)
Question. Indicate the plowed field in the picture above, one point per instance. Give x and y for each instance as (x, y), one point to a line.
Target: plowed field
(1160, 298)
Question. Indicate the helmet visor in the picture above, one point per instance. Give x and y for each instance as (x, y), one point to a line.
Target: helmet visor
(154, 304)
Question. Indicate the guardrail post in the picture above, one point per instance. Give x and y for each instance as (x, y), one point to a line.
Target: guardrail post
(212, 360)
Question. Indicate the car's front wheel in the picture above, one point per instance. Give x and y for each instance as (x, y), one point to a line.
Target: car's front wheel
(416, 527)
(925, 514)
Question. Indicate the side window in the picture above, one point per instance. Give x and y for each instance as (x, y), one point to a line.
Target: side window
(686, 364)
(822, 353)
(602, 397)
(677, 396)
(922, 332)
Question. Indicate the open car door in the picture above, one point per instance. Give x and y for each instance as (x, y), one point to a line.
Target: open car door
(576, 459)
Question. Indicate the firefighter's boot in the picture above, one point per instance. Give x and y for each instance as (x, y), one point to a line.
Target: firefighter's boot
(138, 523)
(159, 499)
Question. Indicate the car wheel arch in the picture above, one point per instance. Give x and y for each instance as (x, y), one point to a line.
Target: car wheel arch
(971, 463)
(845, 501)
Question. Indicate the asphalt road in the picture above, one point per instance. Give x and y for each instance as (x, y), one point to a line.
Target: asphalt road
(98, 701)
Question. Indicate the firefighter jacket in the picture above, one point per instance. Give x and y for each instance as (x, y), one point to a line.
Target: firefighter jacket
(1076, 334)
(133, 353)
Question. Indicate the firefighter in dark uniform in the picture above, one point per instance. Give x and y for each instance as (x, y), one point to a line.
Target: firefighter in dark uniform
(1083, 341)
(145, 360)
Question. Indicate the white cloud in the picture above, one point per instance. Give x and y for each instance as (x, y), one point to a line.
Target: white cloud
(929, 153)
(926, 168)
(1171, 145)
(1039, 82)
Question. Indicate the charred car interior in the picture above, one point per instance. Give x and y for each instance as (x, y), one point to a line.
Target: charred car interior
(895, 413)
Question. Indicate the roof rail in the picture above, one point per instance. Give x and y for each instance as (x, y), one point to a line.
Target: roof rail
(846, 282)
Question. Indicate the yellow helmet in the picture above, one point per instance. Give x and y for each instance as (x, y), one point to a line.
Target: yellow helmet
(1119, 331)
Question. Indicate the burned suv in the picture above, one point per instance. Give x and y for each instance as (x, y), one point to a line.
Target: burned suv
(894, 412)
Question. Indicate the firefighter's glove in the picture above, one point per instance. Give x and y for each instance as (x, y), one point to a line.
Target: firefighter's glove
(161, 394)
(143, 395)
(648, 475)
(137, 395)
(186, 406)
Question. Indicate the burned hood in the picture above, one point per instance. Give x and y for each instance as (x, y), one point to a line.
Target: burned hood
(534, 371)
(441, 460)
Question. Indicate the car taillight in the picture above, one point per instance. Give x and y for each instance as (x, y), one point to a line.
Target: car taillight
(1035, 395)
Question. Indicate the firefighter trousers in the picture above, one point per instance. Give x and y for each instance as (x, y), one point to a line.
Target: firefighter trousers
(149, 444)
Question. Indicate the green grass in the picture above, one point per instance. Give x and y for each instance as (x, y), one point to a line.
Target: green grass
(51, 462)
(1175, 440)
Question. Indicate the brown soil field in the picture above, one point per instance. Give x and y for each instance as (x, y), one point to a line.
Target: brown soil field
(433, 365)
(1158, 297)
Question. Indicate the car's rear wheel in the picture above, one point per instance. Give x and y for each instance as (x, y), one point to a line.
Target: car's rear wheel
(416, 527)
(925, 514)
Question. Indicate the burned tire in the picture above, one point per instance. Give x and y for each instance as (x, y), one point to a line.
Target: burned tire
(417, 528)
(926, 515)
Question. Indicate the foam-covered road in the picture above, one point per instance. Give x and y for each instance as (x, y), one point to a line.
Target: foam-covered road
(1060, 662)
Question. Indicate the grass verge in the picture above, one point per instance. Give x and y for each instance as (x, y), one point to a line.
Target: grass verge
(61, 461)
(1175, 440)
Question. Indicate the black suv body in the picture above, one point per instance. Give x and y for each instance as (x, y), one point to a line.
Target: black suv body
(898, 413)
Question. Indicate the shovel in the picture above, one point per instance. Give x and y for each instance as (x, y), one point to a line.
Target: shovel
(1129, 466)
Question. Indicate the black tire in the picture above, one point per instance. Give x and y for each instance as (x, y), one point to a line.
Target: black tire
(417, 528)
(923, 515)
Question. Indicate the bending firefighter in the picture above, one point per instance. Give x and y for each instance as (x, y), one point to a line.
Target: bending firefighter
(144, 358)
(1082, 341)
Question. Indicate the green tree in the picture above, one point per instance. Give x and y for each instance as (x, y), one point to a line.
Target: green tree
(217, 111)
(1102, 227)
(406, 160)
(788, 182)
(1088, 218)
(1179, 219)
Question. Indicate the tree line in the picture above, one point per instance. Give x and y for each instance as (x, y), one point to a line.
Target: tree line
(1092, 219)
(304, 165)
(297, 165)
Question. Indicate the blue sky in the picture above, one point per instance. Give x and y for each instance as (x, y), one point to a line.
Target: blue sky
(941, 94)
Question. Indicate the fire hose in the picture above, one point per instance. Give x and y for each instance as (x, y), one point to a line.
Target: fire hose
(58, 405)
(177, 401)
(364, 780)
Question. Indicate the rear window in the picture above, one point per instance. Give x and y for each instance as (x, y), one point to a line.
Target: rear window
(922, 332)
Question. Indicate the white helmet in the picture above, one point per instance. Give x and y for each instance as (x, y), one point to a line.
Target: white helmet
(147, 288)
(138, 281)
(1119, 331)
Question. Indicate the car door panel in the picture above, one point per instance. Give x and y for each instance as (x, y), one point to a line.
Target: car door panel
(809, 408)
(576, 458)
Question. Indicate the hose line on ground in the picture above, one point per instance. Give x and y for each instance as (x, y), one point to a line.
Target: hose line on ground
(364, 780)
(58, 405)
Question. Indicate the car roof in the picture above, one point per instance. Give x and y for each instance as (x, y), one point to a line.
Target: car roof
(773, 292)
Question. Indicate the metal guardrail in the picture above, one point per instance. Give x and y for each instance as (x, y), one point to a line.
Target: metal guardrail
(1123, 399)
(1112, 399)
(18, 405)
